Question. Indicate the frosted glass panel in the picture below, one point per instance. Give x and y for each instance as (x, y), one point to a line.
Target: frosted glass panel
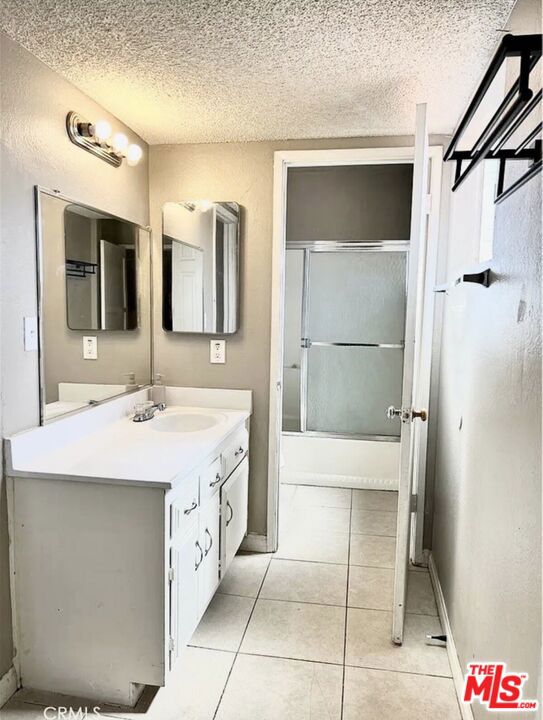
(357, 297)
(350, 389)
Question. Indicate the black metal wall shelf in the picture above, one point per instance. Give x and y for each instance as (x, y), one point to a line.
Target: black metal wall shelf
(80, 268)
(519, 102)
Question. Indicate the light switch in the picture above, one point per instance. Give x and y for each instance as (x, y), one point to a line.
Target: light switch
(217, 351)
(90, 347)
(31, 334)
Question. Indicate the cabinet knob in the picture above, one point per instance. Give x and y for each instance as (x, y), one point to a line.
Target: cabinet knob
(239, 451)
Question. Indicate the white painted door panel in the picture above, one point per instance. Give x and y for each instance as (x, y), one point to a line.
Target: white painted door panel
(186, 558)
(413, 326)
(234, 501)
(209, 540)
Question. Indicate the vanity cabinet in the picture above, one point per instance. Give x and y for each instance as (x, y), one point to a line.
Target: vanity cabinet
(123, 569)
(208, 524)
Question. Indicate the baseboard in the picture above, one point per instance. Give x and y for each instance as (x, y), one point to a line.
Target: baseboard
(253, 542)
(8, 685)
(340, 481)
(456, 669)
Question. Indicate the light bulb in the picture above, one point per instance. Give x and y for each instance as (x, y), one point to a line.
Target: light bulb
(102, 130)
(119, 143)
(133, 154)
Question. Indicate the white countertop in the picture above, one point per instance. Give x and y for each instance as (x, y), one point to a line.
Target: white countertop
(122, 451)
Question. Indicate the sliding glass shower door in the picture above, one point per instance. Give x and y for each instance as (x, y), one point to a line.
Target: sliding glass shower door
(348, 366)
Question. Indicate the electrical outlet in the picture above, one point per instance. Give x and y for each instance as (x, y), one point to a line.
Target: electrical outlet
(217, 351)
(31, 334)
(90, 347)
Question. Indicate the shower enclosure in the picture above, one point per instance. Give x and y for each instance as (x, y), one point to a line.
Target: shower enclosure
(344, 347)
(344, 331)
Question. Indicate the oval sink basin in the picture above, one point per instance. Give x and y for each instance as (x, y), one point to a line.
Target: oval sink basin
(184, 422)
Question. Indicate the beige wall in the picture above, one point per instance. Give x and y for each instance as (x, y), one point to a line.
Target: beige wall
(240, 172)
(487, 504)
(352, 202)
(36, 150)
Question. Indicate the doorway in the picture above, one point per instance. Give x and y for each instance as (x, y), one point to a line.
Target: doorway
(420, 282)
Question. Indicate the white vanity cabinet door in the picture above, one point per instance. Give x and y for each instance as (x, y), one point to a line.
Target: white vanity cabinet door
(208, 572)
(236, 451)
(184, 509)
(234, 502)
(186, 559)
(210, 479)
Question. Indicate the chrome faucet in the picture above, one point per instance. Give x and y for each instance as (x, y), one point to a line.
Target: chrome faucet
(146, 411)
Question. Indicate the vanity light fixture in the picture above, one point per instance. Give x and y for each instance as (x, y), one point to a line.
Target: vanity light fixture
(98, 138)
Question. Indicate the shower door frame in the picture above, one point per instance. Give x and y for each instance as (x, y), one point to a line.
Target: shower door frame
(283, 160)
(332, 246)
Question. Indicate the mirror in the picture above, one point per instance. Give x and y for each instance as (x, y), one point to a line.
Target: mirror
(200, 267)
(100, 262)
(94, 305)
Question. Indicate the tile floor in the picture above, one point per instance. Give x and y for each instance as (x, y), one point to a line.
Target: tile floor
(305, 634)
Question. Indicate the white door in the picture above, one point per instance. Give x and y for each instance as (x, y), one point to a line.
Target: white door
(234, 501)
(187, 288)
(209, 540)
(186, 559)
(112, 286)
(413, 330)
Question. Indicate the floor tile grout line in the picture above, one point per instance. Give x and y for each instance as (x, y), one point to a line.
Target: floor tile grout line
(242, 638)
(289, 657)
(400, 672)
(312, 602)
(346, 612)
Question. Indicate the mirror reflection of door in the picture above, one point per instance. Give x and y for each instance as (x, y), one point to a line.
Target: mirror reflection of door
(187, 288)
(225, 245)
(113, 295)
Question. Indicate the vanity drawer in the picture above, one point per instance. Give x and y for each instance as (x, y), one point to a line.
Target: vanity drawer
(236, 451)
(211, 478)
(184, 510)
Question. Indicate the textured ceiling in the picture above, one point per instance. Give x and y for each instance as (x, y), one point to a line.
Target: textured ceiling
(204, 71)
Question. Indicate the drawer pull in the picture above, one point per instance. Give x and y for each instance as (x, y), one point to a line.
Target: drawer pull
(191, 508)
(210, 542)
(229, 520)
(239, 451)
(217, 480)
(197, 563)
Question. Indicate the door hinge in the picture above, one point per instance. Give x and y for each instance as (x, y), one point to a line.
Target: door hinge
(171, 644)
(414, 503)
(171, 575)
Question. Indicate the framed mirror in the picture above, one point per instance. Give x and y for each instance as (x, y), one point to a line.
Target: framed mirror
(200, 267)
(94, 314)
